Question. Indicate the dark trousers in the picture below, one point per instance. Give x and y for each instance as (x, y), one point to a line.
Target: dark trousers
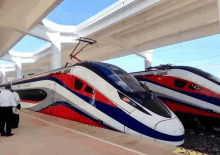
(5, 118)
(15, 120)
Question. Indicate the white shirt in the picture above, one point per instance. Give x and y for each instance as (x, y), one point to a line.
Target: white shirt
(7, 99)
(17, 98)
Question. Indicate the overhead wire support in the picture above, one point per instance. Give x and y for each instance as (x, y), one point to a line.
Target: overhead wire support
(82, 39)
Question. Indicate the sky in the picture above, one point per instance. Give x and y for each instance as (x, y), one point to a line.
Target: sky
(200, 53)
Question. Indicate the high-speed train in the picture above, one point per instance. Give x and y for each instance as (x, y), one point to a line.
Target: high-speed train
(101, 95)
(194, 95)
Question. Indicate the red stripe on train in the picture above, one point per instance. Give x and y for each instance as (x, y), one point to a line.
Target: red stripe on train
(66, 113)
(68, 80)
(175, 107)
(169, 82)
(30, 101)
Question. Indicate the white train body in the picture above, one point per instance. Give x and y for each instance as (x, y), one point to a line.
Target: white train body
(101, 95)
(194, 95)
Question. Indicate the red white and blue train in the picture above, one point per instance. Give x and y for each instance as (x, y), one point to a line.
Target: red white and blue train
(101, 95)
(194, 95)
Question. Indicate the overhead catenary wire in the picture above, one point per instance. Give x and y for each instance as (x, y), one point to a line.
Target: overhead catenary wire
(176, 33)
(81, 39)
(52, 54)
(216, 67)
(198, 59)
(180, 31)
(209, 64)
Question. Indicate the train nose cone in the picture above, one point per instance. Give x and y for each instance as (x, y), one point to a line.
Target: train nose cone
(171, 127)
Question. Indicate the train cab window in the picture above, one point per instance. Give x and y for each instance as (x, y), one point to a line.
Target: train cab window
(89, 90)
(179, 83)
(78, 84)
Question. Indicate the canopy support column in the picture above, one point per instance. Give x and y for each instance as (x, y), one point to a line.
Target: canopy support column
(56, 51)
(18, 69)
(3, 76)
(147, 55)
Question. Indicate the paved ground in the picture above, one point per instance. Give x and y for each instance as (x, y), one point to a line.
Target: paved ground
(40, 134)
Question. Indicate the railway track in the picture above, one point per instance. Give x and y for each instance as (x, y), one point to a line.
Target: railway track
(202, 141)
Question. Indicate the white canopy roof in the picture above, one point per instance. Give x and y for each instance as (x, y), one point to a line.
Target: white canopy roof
(128, 27)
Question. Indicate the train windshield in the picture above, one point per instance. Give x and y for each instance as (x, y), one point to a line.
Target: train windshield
(151, 102)
(124, 80)
(116, 76)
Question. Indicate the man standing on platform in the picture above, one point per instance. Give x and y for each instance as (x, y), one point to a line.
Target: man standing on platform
(7, 101)
(16, 111)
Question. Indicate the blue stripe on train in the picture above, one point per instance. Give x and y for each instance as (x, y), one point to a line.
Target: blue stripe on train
(130, 122)
(116, 113)
(80, 112)
(211, 100)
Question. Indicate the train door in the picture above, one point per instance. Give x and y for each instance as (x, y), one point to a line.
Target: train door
(83, 88)
(54, 93)
(58, 94)
(51, 92)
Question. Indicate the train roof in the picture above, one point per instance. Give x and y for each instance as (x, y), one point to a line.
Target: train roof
(88, 64)
(187, 68)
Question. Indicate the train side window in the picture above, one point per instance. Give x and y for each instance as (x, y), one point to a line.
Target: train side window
(32, 94)
(88, 89)
(179, 83)
(78, 84)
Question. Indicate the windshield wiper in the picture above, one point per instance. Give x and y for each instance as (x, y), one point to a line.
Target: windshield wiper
(144, 86)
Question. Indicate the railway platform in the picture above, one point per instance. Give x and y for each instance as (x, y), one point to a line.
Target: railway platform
(40, 134)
